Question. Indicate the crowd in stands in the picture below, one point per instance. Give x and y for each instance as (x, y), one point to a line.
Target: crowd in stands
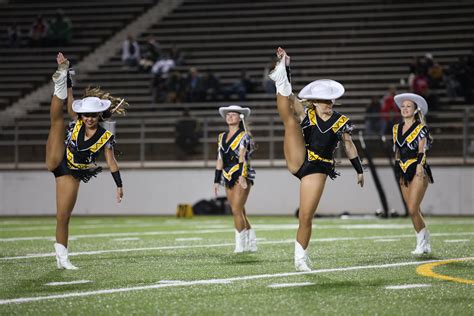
(42, 33)
(171, 84)
(426, 75)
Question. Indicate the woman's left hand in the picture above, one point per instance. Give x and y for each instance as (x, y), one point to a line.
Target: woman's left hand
(360, 179)
(119, 194)
(243, 182)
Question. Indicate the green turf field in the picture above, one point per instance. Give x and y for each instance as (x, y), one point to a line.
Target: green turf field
(164, 265)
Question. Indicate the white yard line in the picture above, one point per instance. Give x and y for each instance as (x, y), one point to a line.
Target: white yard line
(387, 240)
(21, 300)
(456, 240)
(68, 283)
(189, 239)
(41, 255)
(406, 286)
(127, 239)
(282, 285)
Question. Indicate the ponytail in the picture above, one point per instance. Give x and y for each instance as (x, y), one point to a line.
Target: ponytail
(422, 120)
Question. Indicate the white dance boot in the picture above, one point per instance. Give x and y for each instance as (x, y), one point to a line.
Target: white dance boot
(422, 242)
(240, 241)
(62, 258)
(278, 74)
(302, 262)
(251, 240)
(60, 80)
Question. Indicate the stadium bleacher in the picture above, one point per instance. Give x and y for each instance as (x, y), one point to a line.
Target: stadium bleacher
(366, 45)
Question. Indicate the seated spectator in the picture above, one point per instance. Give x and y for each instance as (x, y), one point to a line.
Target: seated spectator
(174, 87)
(389, 113)
(163, 66)
(160, 72)
(177, 55)
(60, 30)
(38, 32)
(187, 135)
(241, 87)
(451, 83)
(193, 86)
(372, 113)
(151, 54)
(130, 52)
(419, 83)
(436, 75)
(211, 86)
(14, 36)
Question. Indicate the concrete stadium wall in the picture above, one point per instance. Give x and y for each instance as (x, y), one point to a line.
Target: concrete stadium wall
(158, 191)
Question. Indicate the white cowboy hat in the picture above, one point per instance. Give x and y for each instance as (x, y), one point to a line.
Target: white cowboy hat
(90, 105)
(323, 89)
(417, 99)
(223, 110)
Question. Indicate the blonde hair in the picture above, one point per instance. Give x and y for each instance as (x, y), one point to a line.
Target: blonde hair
(117, 105)
(421, 118)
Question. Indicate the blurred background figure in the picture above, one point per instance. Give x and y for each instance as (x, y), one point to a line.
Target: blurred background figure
(38, 32)
(60, 30)
(130, 52)
(389, 113)
(187, 135)
(372, 113)
(14, 36)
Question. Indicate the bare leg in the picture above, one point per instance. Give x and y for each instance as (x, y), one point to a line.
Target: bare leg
(415, 193)
(293, 146)
(67, 188)
(311, 189)
(55, 145)
(237, 198)
(247, 222)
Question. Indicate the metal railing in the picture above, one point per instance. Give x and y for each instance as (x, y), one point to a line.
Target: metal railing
(25, 142)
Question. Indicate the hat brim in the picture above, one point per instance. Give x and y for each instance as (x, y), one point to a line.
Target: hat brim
(417, 99)
(82, 106)
(322, 89)
(224, 110)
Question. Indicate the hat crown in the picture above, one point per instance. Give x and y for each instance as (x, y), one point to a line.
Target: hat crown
(234, 108)
(90, 104)
(322, 89)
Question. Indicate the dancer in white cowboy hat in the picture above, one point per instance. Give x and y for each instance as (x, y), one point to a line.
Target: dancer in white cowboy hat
(72, 158)
(411, 140)
(233, 170)
(312, 132)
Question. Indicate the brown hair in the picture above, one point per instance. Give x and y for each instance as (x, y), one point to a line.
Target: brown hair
(117, 106)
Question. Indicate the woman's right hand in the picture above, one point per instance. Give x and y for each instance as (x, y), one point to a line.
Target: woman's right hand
(216, 189)
(282, 53)
(60, 58)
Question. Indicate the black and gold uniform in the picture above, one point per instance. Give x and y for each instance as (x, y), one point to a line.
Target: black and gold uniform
(228, 152)
(407, 146)
(321, 140)
(80, 156)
